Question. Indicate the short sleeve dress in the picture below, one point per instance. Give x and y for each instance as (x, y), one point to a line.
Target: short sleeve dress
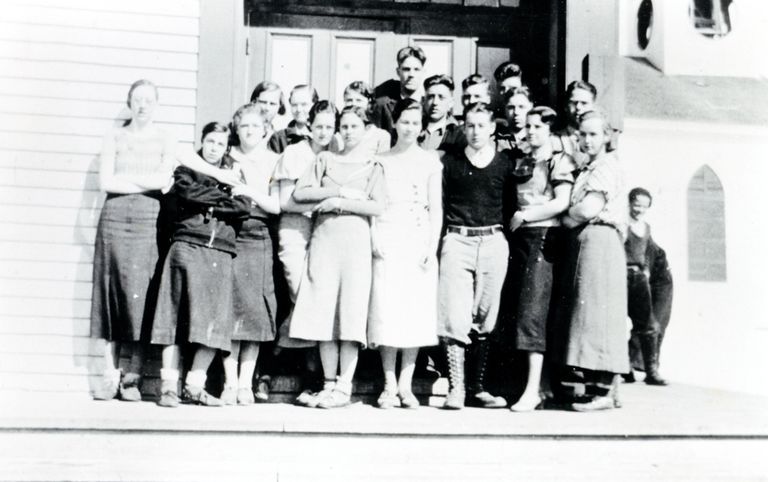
(403, 311)
(598, 334)
(534, 250)
(332, 302)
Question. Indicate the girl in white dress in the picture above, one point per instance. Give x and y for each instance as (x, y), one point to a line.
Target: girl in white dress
(403, 310)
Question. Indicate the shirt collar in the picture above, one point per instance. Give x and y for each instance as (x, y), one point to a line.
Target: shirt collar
(486, 153)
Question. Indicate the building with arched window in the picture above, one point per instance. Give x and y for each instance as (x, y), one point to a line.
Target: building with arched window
(696, 135)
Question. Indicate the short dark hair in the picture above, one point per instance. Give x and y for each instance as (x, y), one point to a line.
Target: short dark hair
(546, 113)
(214, 127)
(440, 79)
(640, 191)
(410, 51)
(269, 86)
(324, 107)
(478, 107)
(522, 90)
(404, 105)
(583, 85)
(307, 87)
(475, 79)
(506, 70)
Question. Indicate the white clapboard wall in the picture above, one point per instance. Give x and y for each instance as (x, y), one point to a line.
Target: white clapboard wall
(65, 67)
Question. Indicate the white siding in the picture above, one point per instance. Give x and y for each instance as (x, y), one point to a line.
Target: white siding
(65, 67)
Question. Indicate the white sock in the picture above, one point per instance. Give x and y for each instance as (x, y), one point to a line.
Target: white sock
(196, 379)
(344, 387)
(169, 375)
(329, 384)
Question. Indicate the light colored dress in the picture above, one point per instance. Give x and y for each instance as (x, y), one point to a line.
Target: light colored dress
(332, 303)
(598, 332)
(293, 232)
(403, 311)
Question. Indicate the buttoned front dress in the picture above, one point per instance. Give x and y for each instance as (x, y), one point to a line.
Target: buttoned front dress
(403, 311)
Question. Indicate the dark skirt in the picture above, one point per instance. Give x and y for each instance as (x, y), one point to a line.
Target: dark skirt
(125, 266)
(195, 300)
(253, 291)
(528, 287)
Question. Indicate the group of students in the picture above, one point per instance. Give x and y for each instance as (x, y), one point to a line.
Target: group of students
(396, 227)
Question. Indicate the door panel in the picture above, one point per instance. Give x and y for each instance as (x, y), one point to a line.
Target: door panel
(354, 61)
(331, 59)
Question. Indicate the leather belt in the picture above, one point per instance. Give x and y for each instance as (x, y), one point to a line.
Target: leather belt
(471, 231)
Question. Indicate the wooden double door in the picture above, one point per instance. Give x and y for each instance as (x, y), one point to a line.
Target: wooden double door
(330, 59)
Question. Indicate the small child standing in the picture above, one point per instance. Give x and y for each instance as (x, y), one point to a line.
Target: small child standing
(195, 300)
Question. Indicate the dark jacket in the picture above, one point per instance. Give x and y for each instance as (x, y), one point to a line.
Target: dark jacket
(207, 214)
(285, 137)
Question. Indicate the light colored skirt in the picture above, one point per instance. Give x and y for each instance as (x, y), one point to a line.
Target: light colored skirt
(598, 329)
(332, 302)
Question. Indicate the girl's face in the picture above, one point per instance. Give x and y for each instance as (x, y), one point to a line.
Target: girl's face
(517, 109)
(537, 131)
(639, 206)
(142, 103)
(352, 129)
(250, 130)
(408, 126)
(592, 138)
(323, 127)
(478, 128)
(214, 146)
(269, 103)
(301, 103)
(355, 99)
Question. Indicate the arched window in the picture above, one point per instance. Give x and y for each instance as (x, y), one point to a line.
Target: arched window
(706, 227)
(711, 18)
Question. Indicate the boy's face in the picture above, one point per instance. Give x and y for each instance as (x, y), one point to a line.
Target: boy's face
(639, 206)
(214, 146)
(475, 93)
(509, 83)
(516, 110)
(410, 72)
(301, 104)
(581, 101)
(438, 101)
(478, 127)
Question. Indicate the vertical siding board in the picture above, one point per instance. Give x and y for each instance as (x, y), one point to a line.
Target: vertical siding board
(65, 66)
